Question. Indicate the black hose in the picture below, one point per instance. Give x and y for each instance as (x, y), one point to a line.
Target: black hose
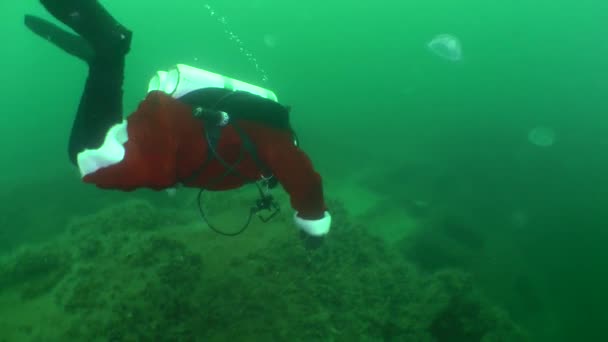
(242, 229)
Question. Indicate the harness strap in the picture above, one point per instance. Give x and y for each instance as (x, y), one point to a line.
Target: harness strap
(212, 135)
(251, 148)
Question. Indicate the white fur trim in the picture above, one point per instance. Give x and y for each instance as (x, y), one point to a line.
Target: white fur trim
(111, 152)
(314, 227)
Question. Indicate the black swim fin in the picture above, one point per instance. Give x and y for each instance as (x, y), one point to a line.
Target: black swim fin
(89, 19)
(66, 41)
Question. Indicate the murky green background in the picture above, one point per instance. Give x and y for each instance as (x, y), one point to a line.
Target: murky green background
(369, 97)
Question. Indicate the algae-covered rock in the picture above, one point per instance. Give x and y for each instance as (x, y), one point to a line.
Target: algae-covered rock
(86, 295)
(154, 250)
(130, 215)
(90, 248)
(35, 271)
(445, 242)
(353, 287)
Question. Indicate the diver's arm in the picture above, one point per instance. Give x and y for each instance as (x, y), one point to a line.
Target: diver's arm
(142, 151)
(294, 170)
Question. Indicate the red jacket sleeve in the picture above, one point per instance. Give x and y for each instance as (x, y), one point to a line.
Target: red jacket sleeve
(154, 133)
(294, 170)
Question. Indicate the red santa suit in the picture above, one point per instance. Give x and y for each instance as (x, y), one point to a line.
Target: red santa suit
(162, 144)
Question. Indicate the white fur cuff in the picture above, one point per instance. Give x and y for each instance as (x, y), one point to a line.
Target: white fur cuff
(314, 227)
(111, 152)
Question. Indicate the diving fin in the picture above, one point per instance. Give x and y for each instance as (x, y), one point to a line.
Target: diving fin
(89, 19)
(66, 41)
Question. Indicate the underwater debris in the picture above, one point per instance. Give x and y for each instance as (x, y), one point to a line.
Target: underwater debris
(447, 47)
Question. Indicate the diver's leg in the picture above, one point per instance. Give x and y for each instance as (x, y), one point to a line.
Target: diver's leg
(101, 102)
(100, 106)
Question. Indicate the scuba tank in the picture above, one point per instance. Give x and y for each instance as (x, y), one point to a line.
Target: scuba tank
(182, 79)
(217, 93)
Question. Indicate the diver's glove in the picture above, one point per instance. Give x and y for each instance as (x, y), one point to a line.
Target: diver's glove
(310, 242)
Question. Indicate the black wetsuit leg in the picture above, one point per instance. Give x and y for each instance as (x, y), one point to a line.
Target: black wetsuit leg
(100, 105)
(103, 43)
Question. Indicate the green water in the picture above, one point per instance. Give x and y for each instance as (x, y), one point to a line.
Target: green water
(375, 107)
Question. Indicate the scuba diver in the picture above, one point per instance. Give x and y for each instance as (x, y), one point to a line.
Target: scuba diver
(194, 128)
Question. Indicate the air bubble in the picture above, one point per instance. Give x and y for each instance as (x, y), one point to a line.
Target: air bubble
(233, 37)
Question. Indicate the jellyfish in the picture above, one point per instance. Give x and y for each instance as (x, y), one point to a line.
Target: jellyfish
(271, 40)
(447, 47)
(542, 136)
(519, 219)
